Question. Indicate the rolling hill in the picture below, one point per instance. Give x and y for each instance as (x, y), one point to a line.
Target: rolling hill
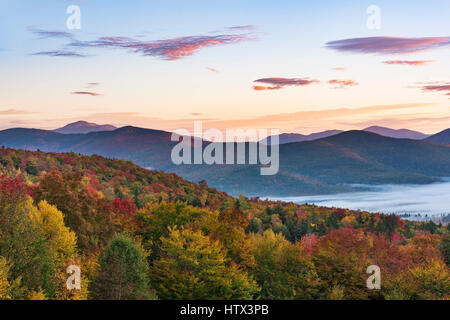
(331, 165)
(441, 137)
(327, 165)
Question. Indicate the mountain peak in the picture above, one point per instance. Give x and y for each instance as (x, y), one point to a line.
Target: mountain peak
(84, 127)
(397, 133)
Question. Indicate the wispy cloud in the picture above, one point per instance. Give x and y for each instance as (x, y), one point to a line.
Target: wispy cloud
(388, 45)
(43, 34)
(339, 69)
(443, 86)
(240, 28)
(235, 29)
(409, 62)
(60, 53)
(168, 49)
(10, 112)
(171, 49)
(435, 87)
(279, 83)
(343, 83)
(262, 88)
(88, 93)
(320, 119)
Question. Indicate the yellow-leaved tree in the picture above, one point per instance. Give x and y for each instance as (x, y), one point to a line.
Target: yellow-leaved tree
(60, 241)
(192, 266)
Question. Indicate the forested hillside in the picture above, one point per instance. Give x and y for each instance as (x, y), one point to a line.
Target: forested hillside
(141, 234)
(322, 166)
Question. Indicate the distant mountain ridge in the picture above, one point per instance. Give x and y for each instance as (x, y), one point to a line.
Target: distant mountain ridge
(441, 137)
(84, 127)
(297, 137)
(322, 166)
(398, 134)
(382, 131)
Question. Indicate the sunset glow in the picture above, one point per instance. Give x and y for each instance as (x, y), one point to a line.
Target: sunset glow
(151, 72)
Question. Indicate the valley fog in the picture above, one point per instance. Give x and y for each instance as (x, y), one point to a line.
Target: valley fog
(419, 201)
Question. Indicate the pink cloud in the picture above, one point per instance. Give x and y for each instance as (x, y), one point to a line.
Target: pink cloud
(212, 69)
(441, 87)
(88, 93)
(435, 87)
(388, 45)
(171, 49)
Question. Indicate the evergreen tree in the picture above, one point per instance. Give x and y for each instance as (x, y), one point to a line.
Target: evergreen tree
(123, 273)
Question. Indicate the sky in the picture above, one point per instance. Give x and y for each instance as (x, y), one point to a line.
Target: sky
(297, 66)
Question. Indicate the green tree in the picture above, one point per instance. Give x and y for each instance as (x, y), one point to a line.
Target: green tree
(445, 248)
(20, 241)
(158, 218)
(123, 272)
(254, 226)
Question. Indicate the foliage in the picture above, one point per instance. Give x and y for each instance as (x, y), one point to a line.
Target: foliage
(134, 231)
(423, 282)
(60, 241)
(282, 270)
(123, 272)
(192, 266)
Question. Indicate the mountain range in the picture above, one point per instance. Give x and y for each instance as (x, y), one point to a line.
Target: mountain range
(326, 165)
(382, 131)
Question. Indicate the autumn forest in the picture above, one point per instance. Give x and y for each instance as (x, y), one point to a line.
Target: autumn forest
(141, 234)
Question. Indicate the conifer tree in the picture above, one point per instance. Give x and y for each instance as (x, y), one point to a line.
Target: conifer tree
(123, 273)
